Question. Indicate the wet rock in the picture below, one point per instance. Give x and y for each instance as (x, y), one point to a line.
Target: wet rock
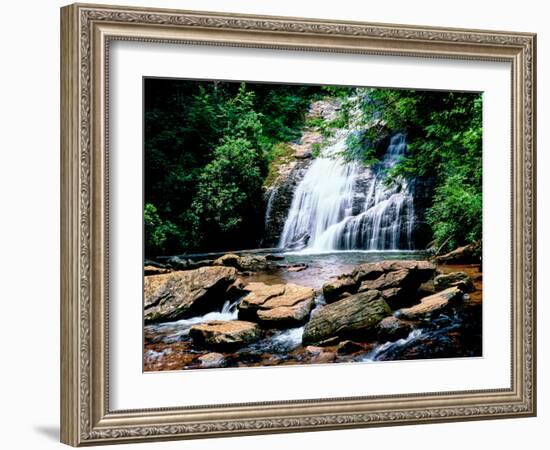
(277, 306)
(431, 305)
(212, 360)
(183, 294)
(278, 198)
(227, 334)
(459, 279)
(354, 317)
(348, 347)
(244, 263)
(392, 329)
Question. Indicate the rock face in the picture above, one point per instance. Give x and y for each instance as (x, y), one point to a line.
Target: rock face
(183, 294)
(398, 281)
(355, 317)
(431, 305)
(278, 199)
(277, 306)
(227, 334)
(459, 279)
(244, 263)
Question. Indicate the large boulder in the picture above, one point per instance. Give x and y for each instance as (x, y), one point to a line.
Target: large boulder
(225, 334)
(398, 280)
(277, 306)
(355, 317)
(244, 263)
(459, 279)
(183, 294)
(432, 305)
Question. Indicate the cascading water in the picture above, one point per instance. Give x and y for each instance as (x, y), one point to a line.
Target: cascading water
(343, 205)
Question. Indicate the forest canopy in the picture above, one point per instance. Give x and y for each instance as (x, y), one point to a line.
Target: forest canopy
(210, 148)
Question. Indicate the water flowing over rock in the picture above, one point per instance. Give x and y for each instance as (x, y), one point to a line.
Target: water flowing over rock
(183, 294)
(344, 205)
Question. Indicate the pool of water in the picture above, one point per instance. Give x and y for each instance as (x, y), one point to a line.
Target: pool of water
(322, 266)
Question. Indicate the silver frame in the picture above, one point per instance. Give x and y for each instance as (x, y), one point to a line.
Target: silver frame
(86, 32)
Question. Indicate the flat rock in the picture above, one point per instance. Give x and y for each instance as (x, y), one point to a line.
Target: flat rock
(183, 294)
(354, 317)
(432, 304)
(225, 333)
(277, 306)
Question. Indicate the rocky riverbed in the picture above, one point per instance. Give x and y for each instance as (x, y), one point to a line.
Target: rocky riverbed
(267, 310)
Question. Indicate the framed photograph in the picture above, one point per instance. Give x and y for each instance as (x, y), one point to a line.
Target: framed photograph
(276, 224)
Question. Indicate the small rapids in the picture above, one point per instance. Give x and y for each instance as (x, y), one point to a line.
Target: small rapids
(178, 330)
(390, 346)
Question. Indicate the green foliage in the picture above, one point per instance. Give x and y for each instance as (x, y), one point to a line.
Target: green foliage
(279, 154)
(208, 148)
(444, 134)
(456, 213)
(157, 232)
(228, 188)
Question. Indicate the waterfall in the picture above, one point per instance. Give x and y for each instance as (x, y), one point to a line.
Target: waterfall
(344, 205)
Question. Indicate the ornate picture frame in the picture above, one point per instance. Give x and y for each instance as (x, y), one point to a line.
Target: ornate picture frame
(86, 34)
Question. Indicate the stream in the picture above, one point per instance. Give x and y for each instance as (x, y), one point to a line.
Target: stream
(168, 345)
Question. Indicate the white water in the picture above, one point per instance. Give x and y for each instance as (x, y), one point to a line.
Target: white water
(372, 356)
(343, 205)
(174, 331)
